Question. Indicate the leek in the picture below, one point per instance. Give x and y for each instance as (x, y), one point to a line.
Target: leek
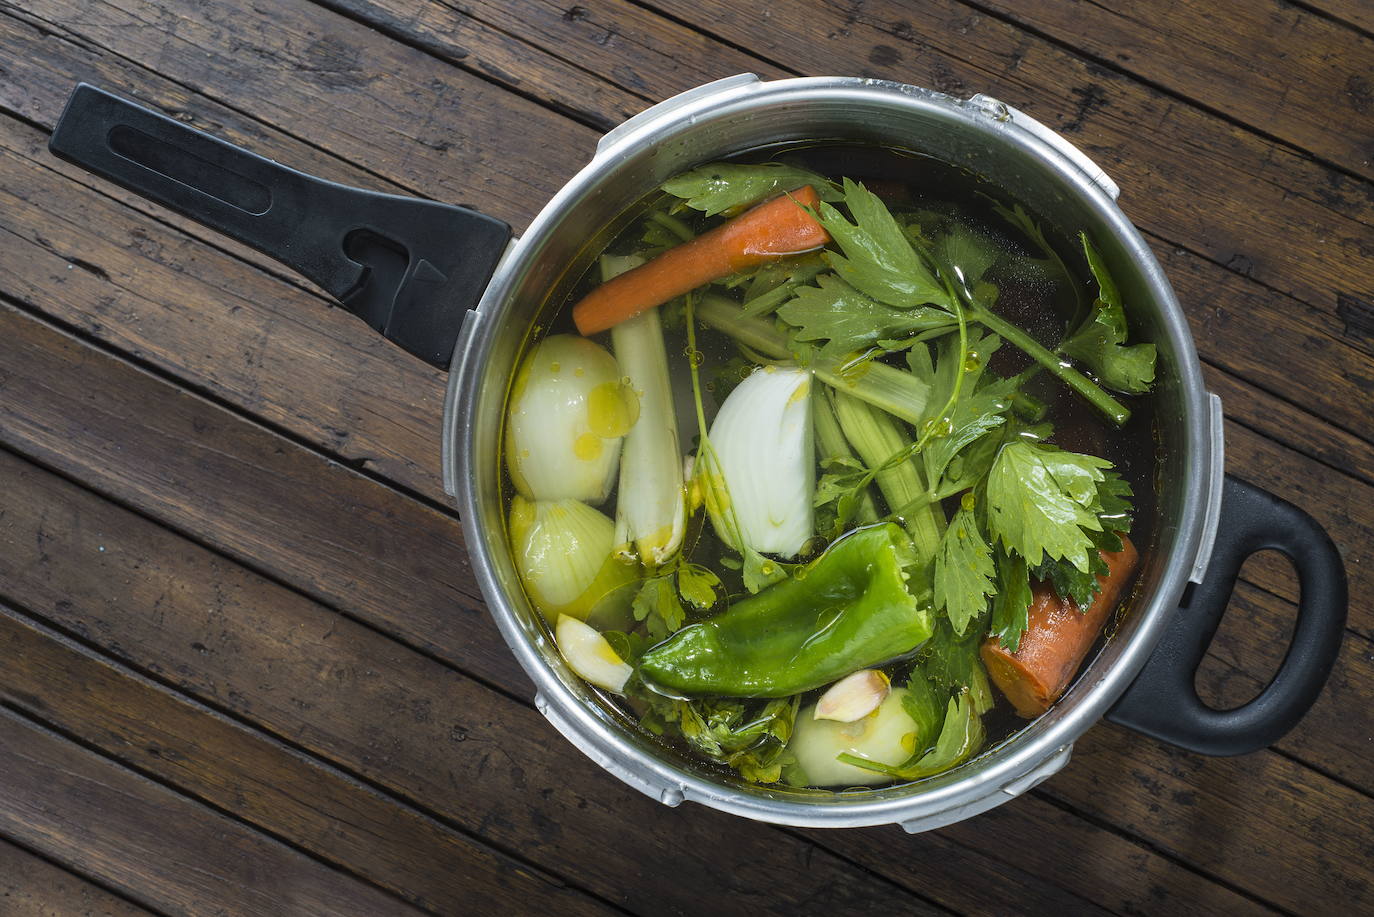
(650, 503)
(896, 391)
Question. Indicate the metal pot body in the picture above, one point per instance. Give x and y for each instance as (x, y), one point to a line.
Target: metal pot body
(743, 113)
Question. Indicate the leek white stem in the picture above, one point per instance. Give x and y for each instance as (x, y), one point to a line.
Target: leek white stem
(650, 503)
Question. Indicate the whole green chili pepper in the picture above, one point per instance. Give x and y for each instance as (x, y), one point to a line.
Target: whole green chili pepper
(851, 608)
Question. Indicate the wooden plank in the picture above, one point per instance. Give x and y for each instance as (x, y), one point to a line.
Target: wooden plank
(1276, 67)
(389, 108)
(337, 689)
(1289, 204)
(1260, 822)
(159, 848)
(221, 656)
(1358, 14)
(213, 759)
(1224, 307)
(1039, 844)
(32, 887)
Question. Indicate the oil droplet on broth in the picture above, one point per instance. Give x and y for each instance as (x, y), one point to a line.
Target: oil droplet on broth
(612, 409)
(587, 447)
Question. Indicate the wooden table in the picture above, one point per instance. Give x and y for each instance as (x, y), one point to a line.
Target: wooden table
(244, 667)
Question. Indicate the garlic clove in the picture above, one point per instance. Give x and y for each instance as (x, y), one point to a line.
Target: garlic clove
(854, 697)
(590, 655)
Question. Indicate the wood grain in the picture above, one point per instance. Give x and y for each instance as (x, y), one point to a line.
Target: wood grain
(280, 791)
(228, 566)
(33, 887)
(337, 689)
(229, 653)
(158, 847)
(1275, 67)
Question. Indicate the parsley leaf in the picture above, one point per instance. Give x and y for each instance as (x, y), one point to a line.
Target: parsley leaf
(721, 187)
(963, 571)
(980, 408)
(969, 252)
(657, 605)
(1100, 341)
(1043, 501)
(698, 586)
(951, 662)
(878, 258)
(748, 736)
(839, 493)
(1011, 605)
(849, 321)
(760, 571)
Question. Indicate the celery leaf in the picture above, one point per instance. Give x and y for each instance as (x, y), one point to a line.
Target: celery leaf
(1011, 606)
(721, 187)
(1100, 341)
(878, 258)
(850, 321)
(1043, 501)
(963, 571)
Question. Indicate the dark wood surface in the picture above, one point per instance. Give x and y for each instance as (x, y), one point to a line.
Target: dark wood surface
(244, 667)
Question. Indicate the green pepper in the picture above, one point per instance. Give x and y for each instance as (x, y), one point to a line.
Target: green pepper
(851, 608)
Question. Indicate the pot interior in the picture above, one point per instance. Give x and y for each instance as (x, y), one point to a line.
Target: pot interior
(587, 213)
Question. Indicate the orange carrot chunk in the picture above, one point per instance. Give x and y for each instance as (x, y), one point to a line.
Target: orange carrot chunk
(771, 230)
(1056, 640)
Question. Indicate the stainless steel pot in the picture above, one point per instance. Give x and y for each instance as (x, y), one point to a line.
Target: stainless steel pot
(412, 269)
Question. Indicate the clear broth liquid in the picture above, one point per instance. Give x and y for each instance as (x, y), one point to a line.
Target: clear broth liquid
(1044, 307)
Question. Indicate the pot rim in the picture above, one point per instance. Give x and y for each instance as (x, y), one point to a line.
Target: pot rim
(1029, 755)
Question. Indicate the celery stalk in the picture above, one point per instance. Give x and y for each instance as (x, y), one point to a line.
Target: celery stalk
(877, 438)
(893, 390)
(831, 443)
(650, 502)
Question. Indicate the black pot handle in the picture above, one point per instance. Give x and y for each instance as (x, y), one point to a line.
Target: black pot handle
(1162, 702)
(408, 267)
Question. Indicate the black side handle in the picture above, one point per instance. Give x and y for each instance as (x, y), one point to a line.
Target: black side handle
(408, 267)
(1162, 702)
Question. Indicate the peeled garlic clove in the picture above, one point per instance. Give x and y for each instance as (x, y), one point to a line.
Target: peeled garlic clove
(854, 697)
(590, 656)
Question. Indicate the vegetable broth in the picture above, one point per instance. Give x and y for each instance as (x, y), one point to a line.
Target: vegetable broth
(1029, 293)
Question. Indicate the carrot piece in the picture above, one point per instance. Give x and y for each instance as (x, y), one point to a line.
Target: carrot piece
(1057, 638)
(766, 232)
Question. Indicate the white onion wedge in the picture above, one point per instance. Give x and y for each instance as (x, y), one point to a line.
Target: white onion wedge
(762, 445)
(568, 413)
